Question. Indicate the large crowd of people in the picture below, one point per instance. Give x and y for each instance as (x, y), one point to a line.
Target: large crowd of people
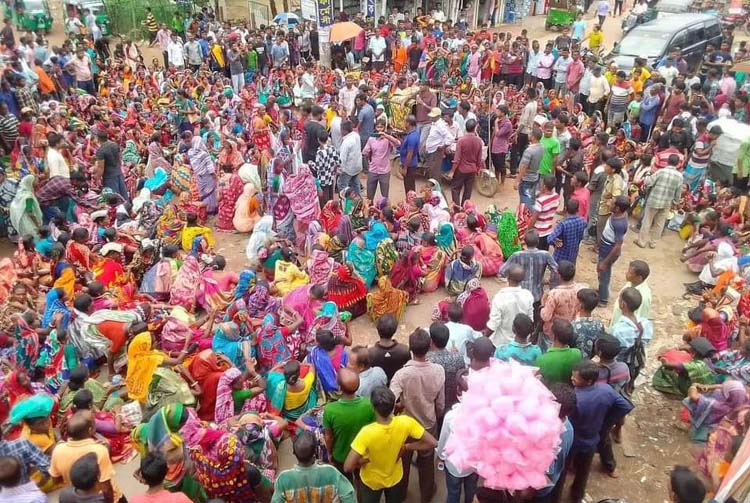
(123, 333)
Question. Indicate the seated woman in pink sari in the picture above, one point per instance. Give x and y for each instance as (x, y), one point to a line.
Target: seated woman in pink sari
(185, 285)
(487, 250)
(327, 357)
(697, 255)
(306, 301)
(216, 287)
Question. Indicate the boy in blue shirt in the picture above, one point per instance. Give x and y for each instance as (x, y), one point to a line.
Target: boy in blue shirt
(520, 349)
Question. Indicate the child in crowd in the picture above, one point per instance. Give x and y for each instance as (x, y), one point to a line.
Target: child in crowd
(587, 329)
(84, 477)
(520, 349)
(12, 489)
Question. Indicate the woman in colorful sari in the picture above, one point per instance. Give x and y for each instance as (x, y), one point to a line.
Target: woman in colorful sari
(327, 357)
(487, 250)
(277, 343)
(229, 190)
(386, 300)
(288, 276)
(185, 286)
(228, 341)
(475, 306)
(330, 216)
(33, 414)
(291, 389)
(156, 157)
(320, 266)
(204, 171)
(329, 318)
(446, 238)
(247, 211)
(707, 410)
(363, 260)
(216, 285)
(57, 357)
(109, 271)
(354, 207)
(206, 368)
(142, 363)
(348, 291)
(431, 264)
(262, 235)
(161, 434)
(233, 397)
(306, 301)
(169, 227)
(713, 460)
(25, 212)
(55, 306)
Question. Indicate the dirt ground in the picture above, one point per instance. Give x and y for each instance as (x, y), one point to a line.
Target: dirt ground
(652, 443)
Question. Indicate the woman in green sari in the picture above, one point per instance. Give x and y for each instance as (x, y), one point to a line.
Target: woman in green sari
(162, 434)
(291, 389)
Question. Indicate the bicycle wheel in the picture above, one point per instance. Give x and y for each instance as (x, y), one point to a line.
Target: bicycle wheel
(486, 183)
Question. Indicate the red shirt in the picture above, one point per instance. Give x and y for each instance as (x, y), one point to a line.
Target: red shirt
(582, 195)
(468, 158)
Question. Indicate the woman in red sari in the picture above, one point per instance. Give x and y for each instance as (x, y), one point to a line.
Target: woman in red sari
(207, 368)
(330, 216)
(261, 131)
(230, 188)
(487, 251)
(347, 291)
(109, 272)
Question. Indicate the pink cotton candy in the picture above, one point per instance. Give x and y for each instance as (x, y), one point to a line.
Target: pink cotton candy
(507, 427)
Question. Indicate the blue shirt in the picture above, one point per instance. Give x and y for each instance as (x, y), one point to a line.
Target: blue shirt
(614, 232)
(525, 354)
(570, 231)
(558, 465)
(579, 29)
(410, 144)
(204, 47)
(596, 406)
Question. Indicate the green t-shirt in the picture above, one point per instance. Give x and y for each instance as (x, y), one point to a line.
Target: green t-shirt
(252, 60)
(345, 418)
(556, 365)
(551, 150)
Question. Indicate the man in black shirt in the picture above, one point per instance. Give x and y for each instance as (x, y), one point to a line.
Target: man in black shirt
(313, 127)
(108, 165)
(388, 354)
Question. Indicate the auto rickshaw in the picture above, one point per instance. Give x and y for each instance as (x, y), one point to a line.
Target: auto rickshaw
(561, 14)
(81, 9)
(33, 15)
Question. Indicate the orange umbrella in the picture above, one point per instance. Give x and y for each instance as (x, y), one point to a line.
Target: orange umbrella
(344, 31)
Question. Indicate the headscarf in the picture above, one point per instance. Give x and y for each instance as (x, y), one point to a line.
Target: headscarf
(20, 218)
(245, 283)
(363, 261)
(330, 216)
(142, 362)
(34, 407)
(445, 237)
(386, 300)
(375, 235)
(320, 267)
(224, 401)
(262, 232)
(272, 348)
(302, 192)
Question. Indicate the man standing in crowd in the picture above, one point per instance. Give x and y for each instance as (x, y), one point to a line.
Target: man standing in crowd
(467, 162)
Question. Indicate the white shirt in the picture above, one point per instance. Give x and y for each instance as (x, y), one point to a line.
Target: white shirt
(308, 86)
(56, 164)
(377, 46)
(346, 98)
(440, 135)
(336, 137)
(459, 336)
(351, 154)
(460, 122)
(445, 433)
(599, 89)
(526, 122)
(176, 54)
(506, 304)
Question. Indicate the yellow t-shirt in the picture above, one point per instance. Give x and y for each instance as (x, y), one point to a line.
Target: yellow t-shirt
(381, 444)
(295, 399)
(596, 39)
(67, 453)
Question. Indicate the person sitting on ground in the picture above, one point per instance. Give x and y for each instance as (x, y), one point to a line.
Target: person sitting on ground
(461, 270)
(520, 349)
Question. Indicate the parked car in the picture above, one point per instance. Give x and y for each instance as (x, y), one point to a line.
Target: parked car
(80, 8)
(655, 39)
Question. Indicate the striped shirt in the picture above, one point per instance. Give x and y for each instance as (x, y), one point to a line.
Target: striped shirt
(546, 206)
(9, 128)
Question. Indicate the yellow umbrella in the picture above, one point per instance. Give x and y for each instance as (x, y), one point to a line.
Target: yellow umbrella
(344, 31)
